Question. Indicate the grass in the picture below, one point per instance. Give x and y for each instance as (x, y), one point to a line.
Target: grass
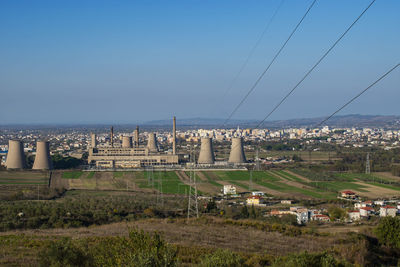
(168, 181)
(384, 186)
(211, 180)
(118, 174)
(72, 174)
(339, 186)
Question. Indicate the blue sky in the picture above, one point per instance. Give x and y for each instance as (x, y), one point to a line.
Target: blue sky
(129, 61)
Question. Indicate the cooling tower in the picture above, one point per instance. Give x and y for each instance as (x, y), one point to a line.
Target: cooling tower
(42, 159)
(152, 142)
(174, 135)
(127, 141)
(15, 155)
(237, 151)
(206, 152)
(93, 140)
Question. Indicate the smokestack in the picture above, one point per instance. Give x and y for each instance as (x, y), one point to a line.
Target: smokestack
(152, 142)
(127, 141)
(206, 151)
(93, 140)
(237, 151)
(15, 155)
(137, 136)
(112, 136)
(174, 136)
(42, 159)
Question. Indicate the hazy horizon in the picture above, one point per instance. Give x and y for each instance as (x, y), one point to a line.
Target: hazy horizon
(120, 62)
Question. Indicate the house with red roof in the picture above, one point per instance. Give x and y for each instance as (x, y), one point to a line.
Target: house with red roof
(348, 194)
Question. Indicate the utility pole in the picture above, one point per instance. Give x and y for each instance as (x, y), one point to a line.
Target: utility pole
(367, 165)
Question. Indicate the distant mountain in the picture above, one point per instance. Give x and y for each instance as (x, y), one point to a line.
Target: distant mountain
(352, 120)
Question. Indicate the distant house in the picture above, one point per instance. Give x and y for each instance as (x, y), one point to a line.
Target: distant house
(388, 211)
(366, 211)
(286, 201)
(258, 193)
(354, 215)
(320, 218)
(229, 190)
(302, 217)
(380, 202)
(348, 194)
(254, 200)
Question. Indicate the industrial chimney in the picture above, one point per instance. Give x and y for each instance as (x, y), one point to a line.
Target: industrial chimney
(152, 142)
(93, 140)
(127, 141)
(42, 159)
(112, 136)
(174, 136)
(137, 136)
(206, 151)
(15, 155)
(237, 151)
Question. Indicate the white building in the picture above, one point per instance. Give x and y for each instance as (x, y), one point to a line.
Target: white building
(354, 215)
(229, 190)
(387, 211)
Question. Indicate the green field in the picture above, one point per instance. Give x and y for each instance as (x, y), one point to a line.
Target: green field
(23, 178)
(72, 174)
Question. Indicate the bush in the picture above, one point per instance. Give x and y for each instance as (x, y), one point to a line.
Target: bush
(222, 258)
(139, 249)
(308, 260)
(388, 232)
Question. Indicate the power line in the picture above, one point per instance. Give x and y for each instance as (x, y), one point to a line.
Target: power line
(270, 64)
(358, 95)
(253, 50)
(315, 65)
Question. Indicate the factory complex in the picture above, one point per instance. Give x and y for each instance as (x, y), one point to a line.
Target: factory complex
(128, 153)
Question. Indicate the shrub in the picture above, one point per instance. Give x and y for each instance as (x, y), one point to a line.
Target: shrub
(388, 232)
(222, 258)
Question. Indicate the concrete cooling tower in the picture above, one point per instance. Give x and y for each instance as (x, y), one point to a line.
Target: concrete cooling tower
(127, 141)
(206, 152)
(152, 142)
(237, 151)
(15, 155)
(42, 158)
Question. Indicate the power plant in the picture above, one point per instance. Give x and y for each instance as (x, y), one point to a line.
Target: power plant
(152, 142)
(42, 158)
(127, 155)
(237, 152)
(206, 155)
(15, 155)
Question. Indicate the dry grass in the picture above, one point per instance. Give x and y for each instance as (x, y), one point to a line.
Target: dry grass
(201, 234)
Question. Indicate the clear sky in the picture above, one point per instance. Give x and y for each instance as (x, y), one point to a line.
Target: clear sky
(80, 61)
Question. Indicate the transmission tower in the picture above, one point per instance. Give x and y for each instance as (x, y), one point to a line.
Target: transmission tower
(367, 165)
(193, 208)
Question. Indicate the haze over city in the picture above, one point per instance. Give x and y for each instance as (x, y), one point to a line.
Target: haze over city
(130, 61)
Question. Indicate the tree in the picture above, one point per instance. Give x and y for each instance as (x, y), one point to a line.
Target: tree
(244, 213)
(388, 232)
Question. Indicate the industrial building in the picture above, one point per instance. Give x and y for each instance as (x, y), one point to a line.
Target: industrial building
(131, 154)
